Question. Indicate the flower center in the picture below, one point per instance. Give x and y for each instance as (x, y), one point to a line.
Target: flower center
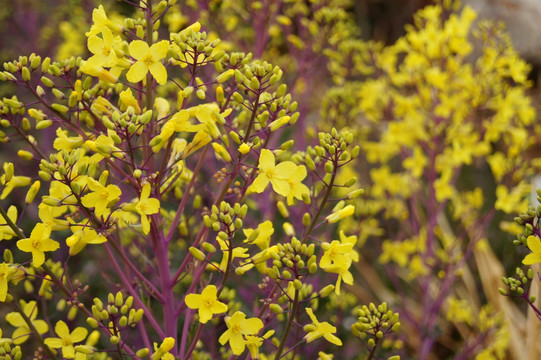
(270, 173)
(104, 193)
(236, 329)
(148, 60)
(36, 243)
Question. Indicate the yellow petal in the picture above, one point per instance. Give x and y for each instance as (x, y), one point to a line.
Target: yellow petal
(158, 72)
(95, 44)
(138, 49)
(193, 301)
(266, 160)
(137, 72)
(159, 50)
(534, 244)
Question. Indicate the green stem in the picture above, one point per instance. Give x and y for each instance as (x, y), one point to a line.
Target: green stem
(11, 224)
(292, 316)
(321, 206)
(373, 351)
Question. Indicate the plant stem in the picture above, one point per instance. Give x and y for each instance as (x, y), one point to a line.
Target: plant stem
(292, 316)
(321, 205)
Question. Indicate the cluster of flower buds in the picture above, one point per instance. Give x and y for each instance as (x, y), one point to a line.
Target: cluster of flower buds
(9, 352)
(225, 219)
(292, 261)
(529, 220)
(375, 322)
(117, 315)
(519, 284)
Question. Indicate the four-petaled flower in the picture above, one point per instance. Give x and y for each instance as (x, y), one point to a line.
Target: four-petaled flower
(148, 59)
(100, 197)
(207, 303)
(22, 330)
(318, 329)
(66, 339)
(297, 188)
(535, 246)
(38, 243)
(146, 206)
(237, 328)
(277, 175)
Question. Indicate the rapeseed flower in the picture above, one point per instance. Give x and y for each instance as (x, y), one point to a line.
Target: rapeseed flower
(534, 244)
(22, 331)
(237, 328)
(207, 303)
(38, 243)
(66, 339)
(100, 197)
(148, 59)
(146, 206)
(277, 175)
(318, 329)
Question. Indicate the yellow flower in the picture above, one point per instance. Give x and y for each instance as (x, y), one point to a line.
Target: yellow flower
(22, 332)
(262, 239)
(237, 252)
(207, 303)
(103, 50)
(101, 22)
(148, 59)
(340, 253)
(253, 343)
(162, 352)
(146, 206)
(297, 188)
(277, 175)
(38, 243)
(66, 339)
(341, 214)
(63, 142)
(317, 330)
(48, 214)
(81, 237)
(238, 327)
(128, 99)
(6, 232)
(15, 181)
(5, 275)
(101, 197)
(535, 246)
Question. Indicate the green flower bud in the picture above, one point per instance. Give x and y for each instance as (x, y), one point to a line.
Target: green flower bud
(60, 108)
(141, 353)
(114, 340)
(275, 308)
(25, 74)
(196, 253)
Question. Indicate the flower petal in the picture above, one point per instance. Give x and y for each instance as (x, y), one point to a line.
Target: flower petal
(158, 71)
(79, 334)
(138, 49)
(534, 244)
(95, 44)
(266, 160)
(193, 301)
(137, 72)
(260, 183)
(159, 50)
